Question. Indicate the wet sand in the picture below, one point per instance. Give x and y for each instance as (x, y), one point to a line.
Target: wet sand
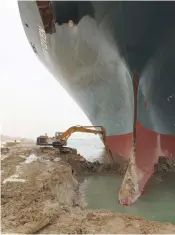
(43, 195)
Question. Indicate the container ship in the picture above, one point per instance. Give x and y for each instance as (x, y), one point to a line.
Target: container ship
(117, 61)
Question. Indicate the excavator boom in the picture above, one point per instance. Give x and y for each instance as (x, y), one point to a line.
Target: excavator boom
(85, 129)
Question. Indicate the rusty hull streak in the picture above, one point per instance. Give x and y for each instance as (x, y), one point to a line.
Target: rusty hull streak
(47, 16)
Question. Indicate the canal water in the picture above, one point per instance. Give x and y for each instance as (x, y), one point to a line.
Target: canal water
(101, 191)
(156, 204)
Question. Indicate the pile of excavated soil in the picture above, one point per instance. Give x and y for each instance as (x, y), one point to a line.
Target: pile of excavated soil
(48, 189)
(13, 158)
(104, 222)
(79, 164)
(44, 197)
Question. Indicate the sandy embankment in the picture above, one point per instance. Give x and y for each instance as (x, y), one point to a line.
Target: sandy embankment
(47, 199)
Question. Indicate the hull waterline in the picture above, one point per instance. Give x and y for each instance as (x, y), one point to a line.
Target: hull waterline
(92, 49)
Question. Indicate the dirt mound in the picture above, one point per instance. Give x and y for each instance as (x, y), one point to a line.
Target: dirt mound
(104, 222)
(79, 164)
(48, 189)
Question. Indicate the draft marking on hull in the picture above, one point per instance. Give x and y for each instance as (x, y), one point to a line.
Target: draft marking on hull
(43, 41)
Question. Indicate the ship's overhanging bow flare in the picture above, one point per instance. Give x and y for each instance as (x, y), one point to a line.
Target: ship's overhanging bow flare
(92, 49)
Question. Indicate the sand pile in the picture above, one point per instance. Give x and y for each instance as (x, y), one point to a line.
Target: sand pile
(79, 164)
(41, 190)
(105, 222)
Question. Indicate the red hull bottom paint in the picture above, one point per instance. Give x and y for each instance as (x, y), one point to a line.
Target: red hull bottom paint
(149, 147)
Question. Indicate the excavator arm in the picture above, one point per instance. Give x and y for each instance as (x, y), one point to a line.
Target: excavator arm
(61, 139)
(85, 129)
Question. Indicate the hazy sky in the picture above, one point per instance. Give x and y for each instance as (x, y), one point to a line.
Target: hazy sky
(32, 102)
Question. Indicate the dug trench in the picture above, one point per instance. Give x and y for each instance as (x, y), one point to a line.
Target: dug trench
(40, 193)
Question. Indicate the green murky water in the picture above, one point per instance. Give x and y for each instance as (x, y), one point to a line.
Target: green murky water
(158, 202)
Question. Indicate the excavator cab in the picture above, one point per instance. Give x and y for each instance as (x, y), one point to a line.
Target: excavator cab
(57, 134)
(58, 140)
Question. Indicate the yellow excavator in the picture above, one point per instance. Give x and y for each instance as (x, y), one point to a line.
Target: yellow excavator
(60, 138)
